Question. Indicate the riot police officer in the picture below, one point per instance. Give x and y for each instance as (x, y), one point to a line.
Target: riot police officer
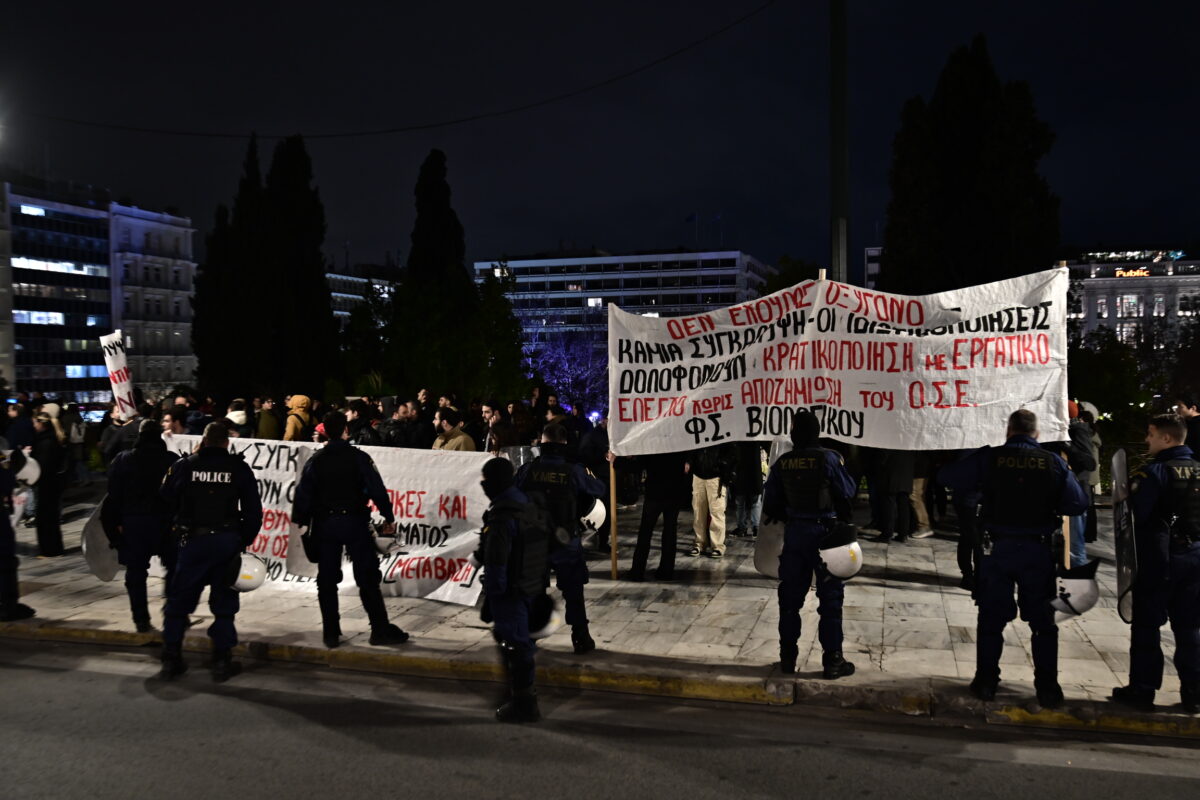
(803, 488)
(137, 518)
(1025, 492)
(217, 514)
(1166, 509)
(332, 496)
(513, 548)
(568, 491)
(11, 608)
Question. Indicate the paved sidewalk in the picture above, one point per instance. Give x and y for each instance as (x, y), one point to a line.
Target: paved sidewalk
(909, 629)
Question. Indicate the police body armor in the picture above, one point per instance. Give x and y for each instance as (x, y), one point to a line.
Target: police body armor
(209, 504)
(528, 564)
(339, 483)
(1180, 504)
(1023, 491)
(805, 484)
(552, 481)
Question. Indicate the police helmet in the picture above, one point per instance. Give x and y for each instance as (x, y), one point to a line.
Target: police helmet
(595, 517)
(544, 617)
(248, 573)
(841, 552)
(1076, 591)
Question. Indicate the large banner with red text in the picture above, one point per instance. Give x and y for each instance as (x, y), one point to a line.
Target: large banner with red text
(935, 372)
(435, 496)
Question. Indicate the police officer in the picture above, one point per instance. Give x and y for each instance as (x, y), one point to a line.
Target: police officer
(137, 518)
(11, 609)
(1166, 509)
(217, 513)
(803, 489)
(332, 496)
(513, 549)
(568, 490)
(1025, 492)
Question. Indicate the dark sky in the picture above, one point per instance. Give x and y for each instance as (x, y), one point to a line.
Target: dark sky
(737, 127)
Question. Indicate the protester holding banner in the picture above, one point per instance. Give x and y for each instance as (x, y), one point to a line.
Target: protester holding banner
(332, 497)
(802, 489)
(668, 490)
(568, 491)
(712, 471)
(137, 519)
(1166, 509)
(217, 514)
(11, 607)
(1025, 492)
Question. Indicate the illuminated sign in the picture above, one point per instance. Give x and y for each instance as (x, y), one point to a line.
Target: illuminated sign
(1140, 272)
(33, 211)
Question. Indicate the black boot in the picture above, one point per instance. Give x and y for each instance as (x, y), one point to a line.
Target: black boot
(582, 640)
(984, 687)
(223, 666)
(173, 664)
(331, 635)
(522, 707)
(836, 666)
(788, 653)
(1134, 697)
(388, 634)
(11, 609)
(1049, 693)
(1189, 700)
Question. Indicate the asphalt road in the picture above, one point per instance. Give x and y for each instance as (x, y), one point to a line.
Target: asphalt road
(89, 722)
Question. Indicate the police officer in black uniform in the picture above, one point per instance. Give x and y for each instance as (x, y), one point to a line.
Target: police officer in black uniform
(136, 517)
(11, 607)
(217, 514)
(1166, 509)
(569, 491)
(1026, 491)
(804, 489)
(513, 549)
(332, 496)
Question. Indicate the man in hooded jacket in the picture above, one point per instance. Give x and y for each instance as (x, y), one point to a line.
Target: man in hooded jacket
(299, 419)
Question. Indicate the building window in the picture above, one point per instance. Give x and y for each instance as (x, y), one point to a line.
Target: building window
(594, 302)
(1127, 332)
(1129, 305)
(1160, 305)
(178, 308)
(127, 304)
(1102, 307)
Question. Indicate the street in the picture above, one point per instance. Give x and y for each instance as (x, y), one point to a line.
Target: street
(94, 722)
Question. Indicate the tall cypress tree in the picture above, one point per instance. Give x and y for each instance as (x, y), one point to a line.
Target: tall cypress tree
(299, 347)
(968, 205)
(213, 372)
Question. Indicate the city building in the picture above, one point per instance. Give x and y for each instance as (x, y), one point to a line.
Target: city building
(1129, 290)
(74, 266)
(566, 294)
(152, 278)
(351, 285)
(55, 269)
(872, 258)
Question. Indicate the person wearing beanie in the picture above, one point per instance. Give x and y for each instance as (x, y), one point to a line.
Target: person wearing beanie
(136, 520)
(803, 490)
(50, 452)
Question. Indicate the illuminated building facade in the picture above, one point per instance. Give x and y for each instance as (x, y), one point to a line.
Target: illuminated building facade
(1129, 290)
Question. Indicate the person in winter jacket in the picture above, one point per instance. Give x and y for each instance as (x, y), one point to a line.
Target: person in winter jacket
(50, 452)
(266, 421)
(299, 419)
(239, 420)
(451, 436)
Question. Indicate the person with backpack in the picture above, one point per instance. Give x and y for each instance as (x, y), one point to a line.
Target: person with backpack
(137, 520)
(514, 545)
(567, 491)
(300, 425)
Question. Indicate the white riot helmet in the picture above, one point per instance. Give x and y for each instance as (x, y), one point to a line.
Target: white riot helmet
(252, 572)
(1076, 591)
(544, 617)
(841, 551)
(594, 518)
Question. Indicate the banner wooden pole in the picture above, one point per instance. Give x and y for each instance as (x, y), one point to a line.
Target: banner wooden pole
(612, 515)
(1066, 543)
(821, 274)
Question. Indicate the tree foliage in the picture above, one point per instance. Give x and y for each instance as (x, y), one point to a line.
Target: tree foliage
(968, 205)
(789, 272)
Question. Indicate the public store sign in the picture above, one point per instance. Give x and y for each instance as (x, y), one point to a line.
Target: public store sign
(935, 372)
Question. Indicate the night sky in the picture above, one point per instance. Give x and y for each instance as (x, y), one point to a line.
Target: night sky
(737, 127)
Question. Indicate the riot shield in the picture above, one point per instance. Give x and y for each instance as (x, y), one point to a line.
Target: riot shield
(99, 554)
(1123, 539)
(768, 547)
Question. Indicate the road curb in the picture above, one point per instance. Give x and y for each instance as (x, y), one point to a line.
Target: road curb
(928, 698)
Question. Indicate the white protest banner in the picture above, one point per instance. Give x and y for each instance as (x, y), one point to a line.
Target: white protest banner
(436, 499)
(113, 346)
(941, 371)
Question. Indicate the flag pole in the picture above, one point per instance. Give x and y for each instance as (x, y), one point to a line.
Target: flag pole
(612, 514)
